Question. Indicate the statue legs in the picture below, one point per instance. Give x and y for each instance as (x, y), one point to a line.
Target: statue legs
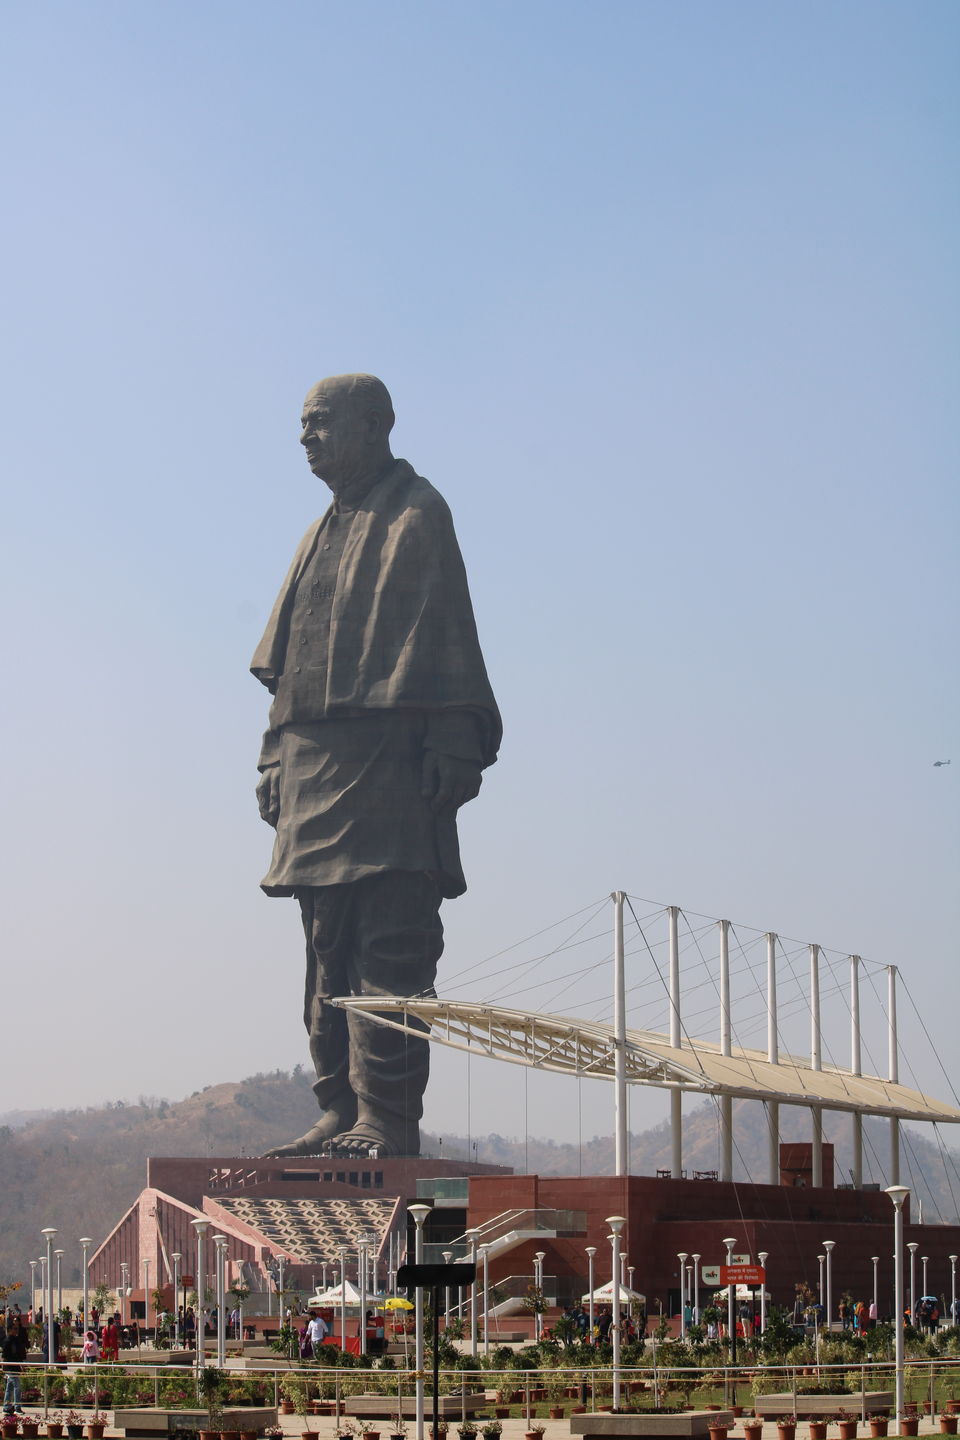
(378, 936)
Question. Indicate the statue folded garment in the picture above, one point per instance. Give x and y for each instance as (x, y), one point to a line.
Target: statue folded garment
(382, 721)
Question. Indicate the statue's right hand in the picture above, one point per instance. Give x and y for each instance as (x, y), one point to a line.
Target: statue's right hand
(268, 795)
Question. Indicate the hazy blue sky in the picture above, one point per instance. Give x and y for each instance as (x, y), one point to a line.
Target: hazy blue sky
(666, 295)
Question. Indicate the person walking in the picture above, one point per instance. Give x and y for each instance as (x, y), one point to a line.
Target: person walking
(14, 1352)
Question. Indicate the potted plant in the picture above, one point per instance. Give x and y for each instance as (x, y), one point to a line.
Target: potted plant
(399, 1428)
(847, 1422)
(8, 1424)
(786, 1427)
(210, 1385)
(909, 1424)
(96, 1423)
(718, 1432)
(29, 1425)
(948, 1423)
(818, 1430)
(467, 1430)
(878, 1425)
(439, 1430)
(491, 1429)
(74, 1423)
(534, 1431)
(54, 1425)
(752, 1428)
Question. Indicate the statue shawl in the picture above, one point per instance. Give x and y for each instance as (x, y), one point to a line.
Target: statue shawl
(402, 629)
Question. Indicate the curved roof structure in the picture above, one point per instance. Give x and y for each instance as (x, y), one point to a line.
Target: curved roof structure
(586, 1048)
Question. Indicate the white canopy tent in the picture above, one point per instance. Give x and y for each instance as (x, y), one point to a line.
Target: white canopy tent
(337, 1295)
(604, 1296)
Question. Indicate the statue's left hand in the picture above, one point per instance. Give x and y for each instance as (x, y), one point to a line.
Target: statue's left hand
(449, 782)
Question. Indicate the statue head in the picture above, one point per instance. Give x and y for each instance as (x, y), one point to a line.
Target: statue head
(346, 426)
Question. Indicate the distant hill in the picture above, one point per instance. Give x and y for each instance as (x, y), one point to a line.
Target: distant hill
(80, 1170)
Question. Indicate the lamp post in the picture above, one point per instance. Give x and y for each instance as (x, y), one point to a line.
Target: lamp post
(200, 1226)
(447, 1258)
(630, 1269)
(821, 1261)
(221, 1262)
(682, 1257)
(485, 1253)
(85, 1243)
(828, 1246)
(695, 1288)
(898, 1194)
(875, 1261)
(176, 1257)
(146, 1292)
(923, 1262)
(343, 1298)
(731, 1315)
(953, 1289)
(362, 1287)
(48, 1233)
(538, 1260)
(616, 1223)
(124, 1287)
(471, 1235)
(419, 1213)
(763, 1256)
(33, 1290)
(913, 1246)
(591, 1251)
(59, 1257)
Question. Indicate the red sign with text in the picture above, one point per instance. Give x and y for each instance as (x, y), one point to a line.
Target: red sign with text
(742, 1275)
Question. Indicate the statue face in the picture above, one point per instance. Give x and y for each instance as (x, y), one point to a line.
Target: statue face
(331, 435)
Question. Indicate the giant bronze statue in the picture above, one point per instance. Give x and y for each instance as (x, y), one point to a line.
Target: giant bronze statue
(381, 724)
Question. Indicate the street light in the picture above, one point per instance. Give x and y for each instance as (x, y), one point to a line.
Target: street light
(124, 1288)
(485, 1253)
(695, 1289)
(146, 1292)
(538, 1260)
(59, 1255)
(200, 1226)
(682, 1257)
(85, 1243)
(763, 1255)
(176, 1257)
(729, 1242)
(898, 1194)
(419, 1213)
(616, 1223)
(953, 1289)
(923, 1262)
(362, 1287)
(221, 1243)
(828, 1246)
(821, 1261)
(591, 1251)
(447, 1258)
(33, 1289)
(48, 1234)
(471, 1235)
(913, 1246)
(875, 1261)
(343, 1298)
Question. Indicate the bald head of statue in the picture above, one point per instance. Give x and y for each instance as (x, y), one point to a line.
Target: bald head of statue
(345, 431)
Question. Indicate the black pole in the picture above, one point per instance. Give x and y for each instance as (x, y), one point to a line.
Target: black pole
(436, 1362)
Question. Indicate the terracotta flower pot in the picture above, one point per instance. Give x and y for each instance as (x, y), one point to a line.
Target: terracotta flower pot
(556, 1412)
(948, 1424)
(54, 1429)
(717, 1432)
(879, 1426)
(94, 1432)
(848, 1429)
(286, 1407)
(29, 1427)
(818, 1430)
(786, 1432)
(909, 1424)
(248, 1435)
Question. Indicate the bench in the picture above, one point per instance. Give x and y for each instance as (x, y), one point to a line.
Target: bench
(687, 1425)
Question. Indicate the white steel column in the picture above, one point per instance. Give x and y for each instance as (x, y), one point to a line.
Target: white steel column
(893, 1070)
(816, 1059)
(619, 1038)
(855, 1066)
(726, 1101)
(773, 1055)
(676, 1097)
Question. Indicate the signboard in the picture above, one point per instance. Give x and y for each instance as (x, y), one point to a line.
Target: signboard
(710, 1274)
(742, 1275)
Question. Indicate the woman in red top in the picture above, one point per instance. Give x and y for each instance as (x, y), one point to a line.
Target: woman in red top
(110, 1343)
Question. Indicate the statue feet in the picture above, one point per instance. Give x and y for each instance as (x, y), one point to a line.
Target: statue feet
(318, 1137)
(373, 1140)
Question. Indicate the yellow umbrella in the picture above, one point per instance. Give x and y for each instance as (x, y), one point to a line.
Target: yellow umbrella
(397, 1303)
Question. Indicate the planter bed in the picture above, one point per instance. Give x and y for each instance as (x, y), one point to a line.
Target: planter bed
(813, 1407)
(684, 1426)
(151, 1422)
(383, 1407)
